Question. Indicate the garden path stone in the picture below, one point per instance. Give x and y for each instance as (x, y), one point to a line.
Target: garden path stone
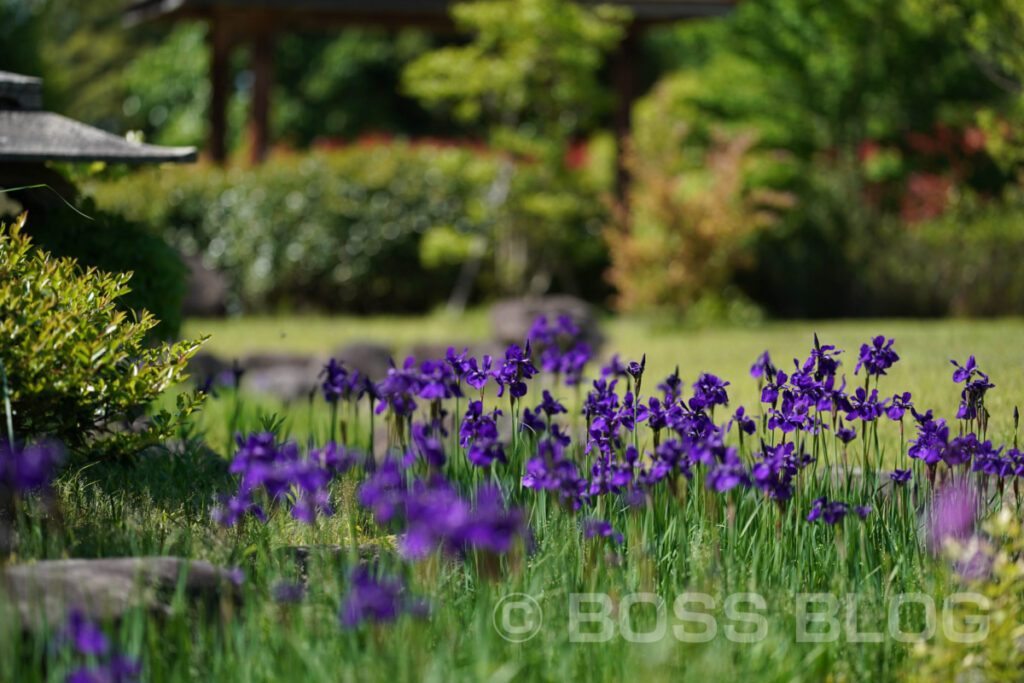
(511, 319)
(105, 589)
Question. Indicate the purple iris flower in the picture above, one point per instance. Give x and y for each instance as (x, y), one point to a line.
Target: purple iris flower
(876, 357)
(932, 438)
(965, 372)
(846, 434)
(232, 509)
(339, 383)
(400, 387)
(375, 599)
(762, 367)
(829, 512)
(672, 388)
(515, 370)
(601, 528)
(457, 362)
(477, 376)
(900, 477)
(288, 592)
(384, 492)
(479, 434)
(85, 636)
(963, 449)
(30, 467)
(953, 515)
(550, 470)
(823, 360)
(746, 424)
(615, 368)
(900, 405)
(775, 384)
(636, 370)
(281, 472)
(727, 472)
(428, 446)
(976, 384)
(709, 391)
(793, 415)
(864, 407)
(551, 406)
(119, 669)
(532, 421)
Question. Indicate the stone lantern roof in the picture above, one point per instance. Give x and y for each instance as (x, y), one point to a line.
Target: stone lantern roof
(30, 135)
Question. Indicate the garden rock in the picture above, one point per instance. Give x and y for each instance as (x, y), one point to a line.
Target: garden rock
(106, 589)
(206, 292)
(511, 319)
(372, 360)
(434, 351)
(204, 365)
(287, 377)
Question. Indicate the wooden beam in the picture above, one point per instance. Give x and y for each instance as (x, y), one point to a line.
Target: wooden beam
(263, 74)
(220, 52)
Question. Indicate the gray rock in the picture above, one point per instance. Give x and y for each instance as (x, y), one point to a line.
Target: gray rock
(436, 351)
(288, 382)
(369, 358)
(105, 589)
(203, 365)
(511, 319)
(206, 291)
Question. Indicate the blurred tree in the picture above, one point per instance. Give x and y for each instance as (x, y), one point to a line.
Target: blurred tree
(529, 74)
(862, 110)
(993, 33)
(342, 86)
(20, 30)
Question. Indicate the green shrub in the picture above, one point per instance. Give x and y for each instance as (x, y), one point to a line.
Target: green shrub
(966, 262)
(111, 243)
(342, 230)
(78, 368)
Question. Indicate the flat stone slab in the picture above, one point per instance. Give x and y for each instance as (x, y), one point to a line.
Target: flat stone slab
(105, 589)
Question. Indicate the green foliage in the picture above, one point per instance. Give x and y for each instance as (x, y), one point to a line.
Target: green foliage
(685, 231)
(966, 262)
(77, 365)
(997, 656)
(850, 102)
(111, 243)
(339, 86)
(342, 230)
(167, 88)
(337, 231)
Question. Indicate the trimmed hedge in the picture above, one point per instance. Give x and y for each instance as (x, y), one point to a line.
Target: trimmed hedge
(382, 227)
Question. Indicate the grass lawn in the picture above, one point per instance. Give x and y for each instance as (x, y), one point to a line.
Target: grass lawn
(704, 584)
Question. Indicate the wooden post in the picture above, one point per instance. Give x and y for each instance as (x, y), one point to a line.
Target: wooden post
(262, 72)
(220, 51)
(625, 69)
